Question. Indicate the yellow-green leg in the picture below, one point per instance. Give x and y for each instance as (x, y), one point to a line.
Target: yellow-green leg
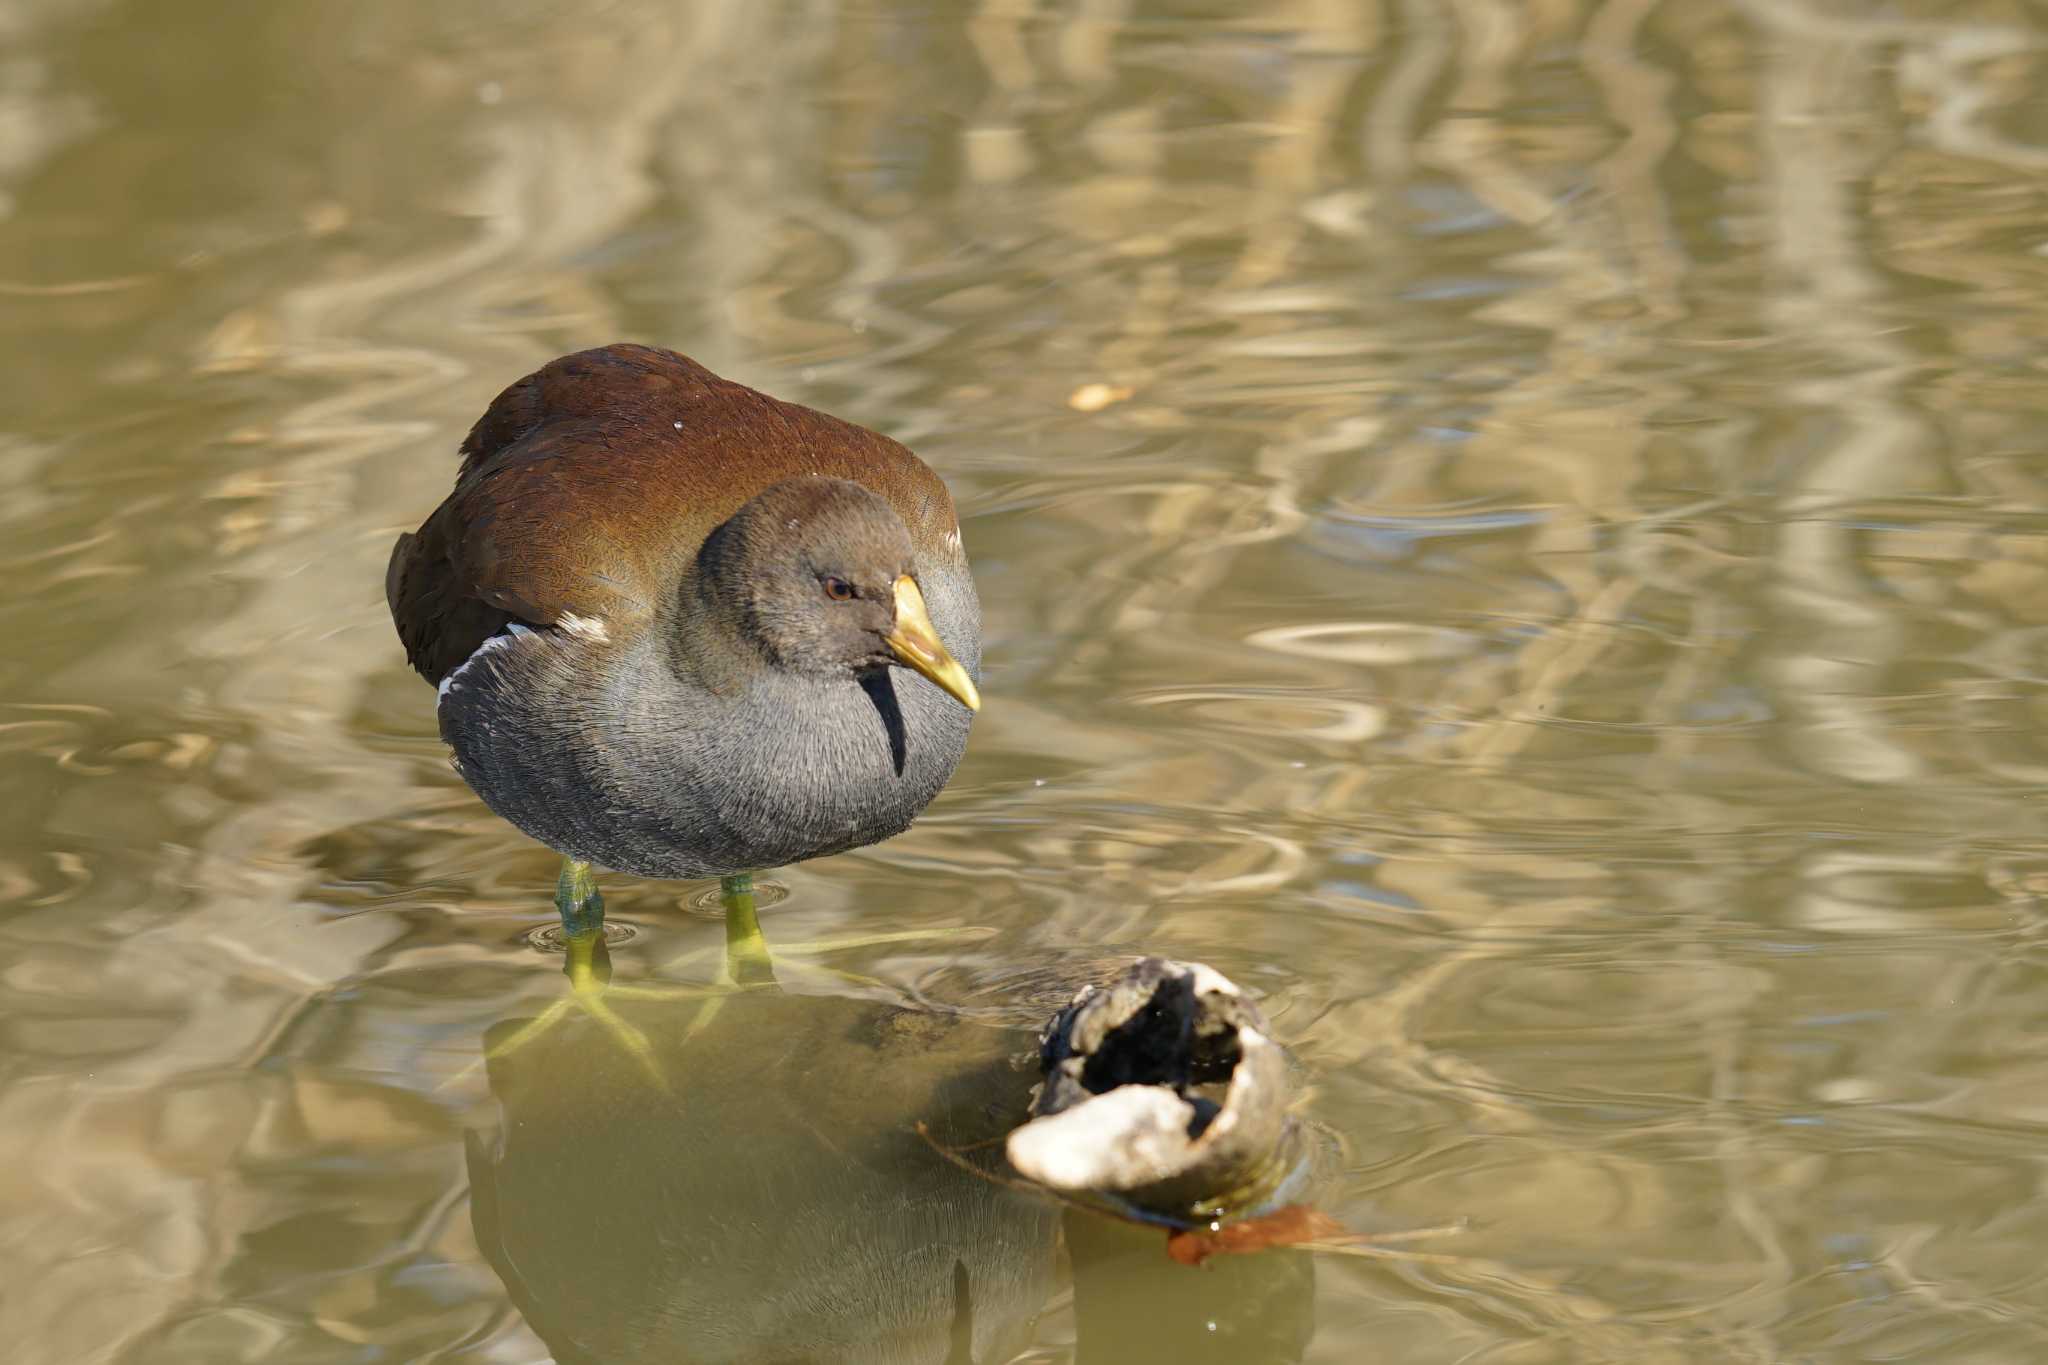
(746, 953)
(588, 965)
(578, 900)
(586, 961)
(746, 964)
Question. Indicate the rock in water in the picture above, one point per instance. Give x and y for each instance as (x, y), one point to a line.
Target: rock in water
(1163, 1089)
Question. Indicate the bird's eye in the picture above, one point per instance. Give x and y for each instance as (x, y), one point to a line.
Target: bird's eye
(838, 589)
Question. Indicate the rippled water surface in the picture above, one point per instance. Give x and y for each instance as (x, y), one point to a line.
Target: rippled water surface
(1517, 530)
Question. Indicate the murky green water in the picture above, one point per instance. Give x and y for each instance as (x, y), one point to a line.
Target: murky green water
(1517, 530)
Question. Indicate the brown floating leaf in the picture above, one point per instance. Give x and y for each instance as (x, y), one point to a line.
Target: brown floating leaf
(1289, 1226)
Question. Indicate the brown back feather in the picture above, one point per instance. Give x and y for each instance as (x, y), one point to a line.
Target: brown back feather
(589, 485)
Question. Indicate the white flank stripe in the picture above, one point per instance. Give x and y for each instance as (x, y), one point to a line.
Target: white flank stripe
(453, 682)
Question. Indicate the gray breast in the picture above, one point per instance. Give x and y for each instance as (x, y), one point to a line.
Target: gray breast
(637, 768)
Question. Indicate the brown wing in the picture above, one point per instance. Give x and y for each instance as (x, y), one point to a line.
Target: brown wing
(588, 486)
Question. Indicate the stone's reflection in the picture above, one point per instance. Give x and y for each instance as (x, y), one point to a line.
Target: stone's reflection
(1133, 1304)
(764, 1194)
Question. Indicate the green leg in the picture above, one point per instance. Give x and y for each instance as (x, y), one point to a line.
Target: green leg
(588, 965)
(746, 953)
(578, 900)
(587, 961)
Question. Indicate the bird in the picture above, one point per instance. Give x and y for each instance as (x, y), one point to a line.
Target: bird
(681, 629)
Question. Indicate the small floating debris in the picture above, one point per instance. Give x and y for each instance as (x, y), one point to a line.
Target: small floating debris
(1294, 1225)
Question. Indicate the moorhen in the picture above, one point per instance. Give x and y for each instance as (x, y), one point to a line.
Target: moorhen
(680, 628)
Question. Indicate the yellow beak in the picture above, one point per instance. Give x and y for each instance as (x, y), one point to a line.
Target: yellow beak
(917, 645)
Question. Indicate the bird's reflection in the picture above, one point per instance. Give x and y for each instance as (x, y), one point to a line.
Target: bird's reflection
(747, 1183)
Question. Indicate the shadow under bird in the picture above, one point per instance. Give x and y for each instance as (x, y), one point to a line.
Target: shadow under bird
(680, 628)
